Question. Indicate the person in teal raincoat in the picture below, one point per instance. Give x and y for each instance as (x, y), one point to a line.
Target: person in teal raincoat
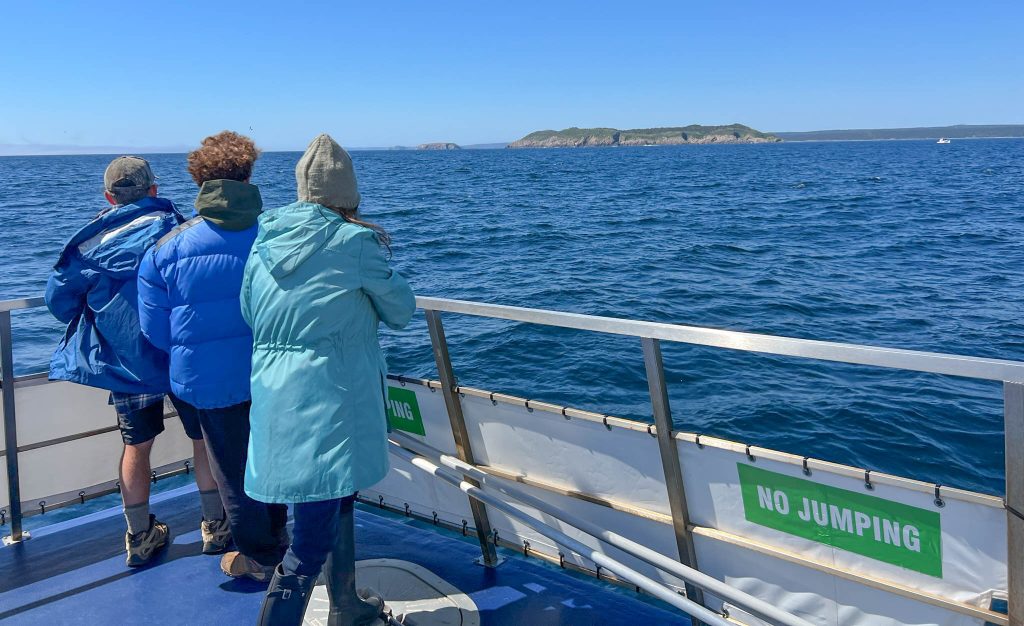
(316, 286)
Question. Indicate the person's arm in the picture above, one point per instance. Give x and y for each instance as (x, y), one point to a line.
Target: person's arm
(154, 304)
(67, 290)
(390, 294)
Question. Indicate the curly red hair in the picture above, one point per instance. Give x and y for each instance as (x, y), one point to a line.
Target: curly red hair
(226, 155)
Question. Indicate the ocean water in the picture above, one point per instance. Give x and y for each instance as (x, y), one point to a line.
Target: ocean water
(902, 244)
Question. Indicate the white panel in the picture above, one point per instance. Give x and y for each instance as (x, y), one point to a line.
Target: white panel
(818, 598)
(623, 466)
(406, 484)
(424, 494)
(48, 410)
(617, 464)
(973, 535)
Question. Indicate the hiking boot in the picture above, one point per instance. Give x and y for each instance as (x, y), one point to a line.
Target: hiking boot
(143, 546)
(237, 565)
(216, 535)
(286, 600)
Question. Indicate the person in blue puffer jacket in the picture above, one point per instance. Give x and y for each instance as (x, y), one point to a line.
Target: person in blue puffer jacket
(189, 307)
(92, 289)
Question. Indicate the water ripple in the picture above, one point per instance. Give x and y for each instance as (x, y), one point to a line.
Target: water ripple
(884, 243)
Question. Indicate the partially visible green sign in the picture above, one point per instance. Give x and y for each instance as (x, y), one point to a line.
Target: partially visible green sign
(404, 411)
(892, 532)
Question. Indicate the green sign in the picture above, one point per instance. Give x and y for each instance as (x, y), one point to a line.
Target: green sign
(880, 529)
(404, 411)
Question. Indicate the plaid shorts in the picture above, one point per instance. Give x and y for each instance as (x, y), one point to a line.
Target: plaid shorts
(126, 403)
(140, 416)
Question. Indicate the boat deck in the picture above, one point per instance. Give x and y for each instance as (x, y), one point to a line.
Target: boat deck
(73, 572)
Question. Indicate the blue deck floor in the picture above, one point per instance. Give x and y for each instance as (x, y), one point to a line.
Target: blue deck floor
(74, 573)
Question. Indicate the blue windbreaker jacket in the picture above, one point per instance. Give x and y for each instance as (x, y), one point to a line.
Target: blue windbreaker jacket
(188, 296)
(93, 290)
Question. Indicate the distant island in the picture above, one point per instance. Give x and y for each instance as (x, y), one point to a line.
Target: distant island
(596, 137)
(438, 146)
(960, 131)
(582, 137)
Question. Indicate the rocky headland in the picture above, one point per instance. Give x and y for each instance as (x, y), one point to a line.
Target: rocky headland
(439, 146)
(607, 137)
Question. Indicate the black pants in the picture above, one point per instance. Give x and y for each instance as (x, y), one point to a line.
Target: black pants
(256, 528)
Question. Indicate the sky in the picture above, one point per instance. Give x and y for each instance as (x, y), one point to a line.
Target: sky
(162, 75)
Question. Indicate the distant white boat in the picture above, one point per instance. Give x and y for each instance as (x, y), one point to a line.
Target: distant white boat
(942, 140)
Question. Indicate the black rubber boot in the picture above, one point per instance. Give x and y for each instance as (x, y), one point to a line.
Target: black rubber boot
(286, 599)
(348, 607)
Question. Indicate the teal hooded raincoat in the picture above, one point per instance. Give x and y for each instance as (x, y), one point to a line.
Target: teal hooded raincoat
(315, 289)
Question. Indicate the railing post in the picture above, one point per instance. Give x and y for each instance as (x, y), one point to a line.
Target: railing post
(463, 449)
(670, 459)
(1013, 418)
(10, 428)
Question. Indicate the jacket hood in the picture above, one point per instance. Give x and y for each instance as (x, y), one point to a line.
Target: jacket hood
(117, 239)
(289, 236)
(229, 204)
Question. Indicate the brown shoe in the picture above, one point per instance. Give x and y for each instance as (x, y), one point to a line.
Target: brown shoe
(237, 565)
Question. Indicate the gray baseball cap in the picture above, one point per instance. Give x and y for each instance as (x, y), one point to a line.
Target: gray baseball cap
(128, 173)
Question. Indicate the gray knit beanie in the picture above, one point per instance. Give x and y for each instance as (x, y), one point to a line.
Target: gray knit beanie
(325, 175)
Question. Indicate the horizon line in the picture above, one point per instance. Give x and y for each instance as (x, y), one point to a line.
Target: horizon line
(88, 150)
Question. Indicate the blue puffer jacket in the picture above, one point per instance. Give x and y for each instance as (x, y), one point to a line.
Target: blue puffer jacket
(188, 296)
(93, 290)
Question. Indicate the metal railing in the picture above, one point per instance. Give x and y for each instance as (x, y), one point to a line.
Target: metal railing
(14, 511)
(650, 334)
(472, 488)
(478, 478)
(10, 419)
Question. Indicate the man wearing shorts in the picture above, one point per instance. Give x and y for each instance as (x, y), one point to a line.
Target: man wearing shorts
(93, 289)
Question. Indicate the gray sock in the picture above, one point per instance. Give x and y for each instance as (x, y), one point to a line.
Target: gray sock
(213, 508)
(137, 516)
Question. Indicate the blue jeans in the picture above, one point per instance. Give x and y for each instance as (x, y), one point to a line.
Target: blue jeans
(315, 534)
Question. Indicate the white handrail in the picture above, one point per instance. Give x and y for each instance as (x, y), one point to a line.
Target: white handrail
(932, 362)
(897, 358)
(649, 585)
(740, 598)
(22, 303)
